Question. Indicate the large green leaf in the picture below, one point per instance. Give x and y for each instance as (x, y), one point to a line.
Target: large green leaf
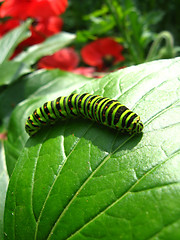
(80, 180)
(48, 47)
(3, 186)
(10, 41)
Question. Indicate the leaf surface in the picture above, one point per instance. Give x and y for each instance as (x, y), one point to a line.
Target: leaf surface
(80, 180)
(17, 69)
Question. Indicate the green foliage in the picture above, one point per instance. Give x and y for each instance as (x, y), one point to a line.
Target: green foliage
(81, 180)
(170, 21)
(136, 30)
(77, 9)
(168, 51)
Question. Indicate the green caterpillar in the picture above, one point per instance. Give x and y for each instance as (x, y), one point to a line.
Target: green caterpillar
(100, 109)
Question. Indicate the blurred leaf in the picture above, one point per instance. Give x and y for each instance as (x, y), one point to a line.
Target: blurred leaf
(80, 180)
(158, 51)
(9, 42)
(74, 18)
(84, 36)
(4, 179)
(97, 13)
(97, 27)
(100, 22)
(48, 47)
(170, 20)
(101, 25)
(17, 70)
(39, 87)
(153, 17)
(36, 84)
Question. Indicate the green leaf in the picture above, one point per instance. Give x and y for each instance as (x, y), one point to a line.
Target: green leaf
(48, 47)
(4, 179)
(17, 69)
(40, 82)
(39, 86)
(101, 25)
(9, 42)
(81, 180)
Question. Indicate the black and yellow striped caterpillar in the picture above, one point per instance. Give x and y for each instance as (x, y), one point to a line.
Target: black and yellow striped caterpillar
(100, 109)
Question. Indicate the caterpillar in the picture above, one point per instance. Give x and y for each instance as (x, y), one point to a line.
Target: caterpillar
(104, 110)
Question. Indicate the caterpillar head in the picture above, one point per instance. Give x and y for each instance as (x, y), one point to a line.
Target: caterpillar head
(136, 126)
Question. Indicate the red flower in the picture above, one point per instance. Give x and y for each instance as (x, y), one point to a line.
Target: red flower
(23, 9)
(65, 59)
(102, 53)
(49, 26)
(7, 26)
(42, 29)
